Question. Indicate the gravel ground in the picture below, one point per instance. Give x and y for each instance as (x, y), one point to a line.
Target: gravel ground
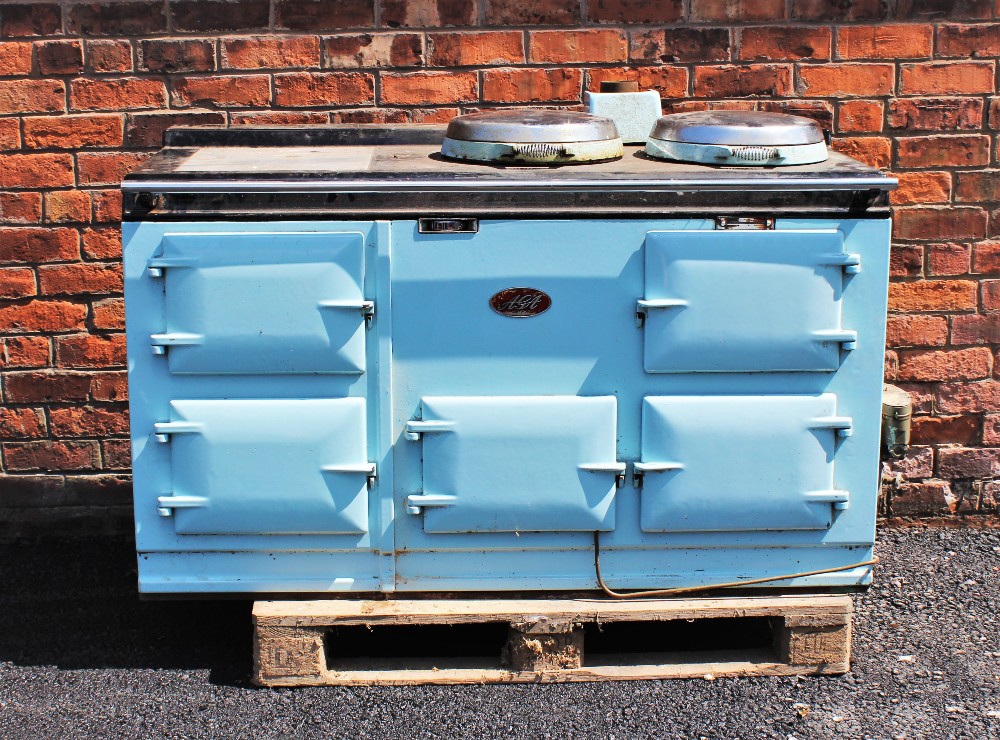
(80, 656)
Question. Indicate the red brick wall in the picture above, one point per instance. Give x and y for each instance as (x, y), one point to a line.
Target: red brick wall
(86, 89)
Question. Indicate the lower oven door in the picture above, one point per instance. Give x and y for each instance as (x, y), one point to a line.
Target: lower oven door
(516, 464)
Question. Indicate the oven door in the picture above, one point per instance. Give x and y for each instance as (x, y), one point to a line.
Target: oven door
(722, 301)
(740, 463)
(262, 303)
(516, 464)
(266, 467)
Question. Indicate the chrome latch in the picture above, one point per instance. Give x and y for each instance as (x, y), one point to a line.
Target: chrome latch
(744, 223)
(447, 225)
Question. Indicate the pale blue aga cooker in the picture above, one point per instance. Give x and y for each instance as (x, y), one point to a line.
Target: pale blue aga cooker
(358, 366)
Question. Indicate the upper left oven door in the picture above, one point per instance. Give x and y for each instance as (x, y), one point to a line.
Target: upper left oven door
(262, 302)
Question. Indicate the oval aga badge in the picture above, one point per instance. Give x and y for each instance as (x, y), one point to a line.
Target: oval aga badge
(520, 303)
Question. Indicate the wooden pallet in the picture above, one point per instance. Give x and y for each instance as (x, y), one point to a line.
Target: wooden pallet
(545, 640)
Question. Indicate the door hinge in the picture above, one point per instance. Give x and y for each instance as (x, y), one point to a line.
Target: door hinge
(165, 505)
(367, 308)
(416, 502)
(163, 429)
(366, 469)
(160, 342)
(640, 469)
(617, 468)
(414, 429)
(644, 305)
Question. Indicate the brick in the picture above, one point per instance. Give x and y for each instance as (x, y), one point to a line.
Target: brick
(88, 421)
(670, 82)
(968, 462)
(24, 19)
(80, 278)
(90, 351)
(36, 170)
(994, 113)
(433, 115)
(321, 15)
(938, 9)
(976, 187)
(781, 42)
(948, 259)
(925, 498)
(991, 436)
(42, 316)
(962, 398)
(32, 96)
(566, 47)
(937, 365)
(872, 150)
(737, 10)
(10, 134)
(202, 16)
(107, 168)
(935, 114)
(110, 386)
(890, 366)
(21, 423)
(116, 454)
(906, 260)
(123, 93)
(986, 258)
(839, 10)
(44, 387)
(933, 295)
(917, 463)
(531, 85)
(117, 19)
(15, 58)
(916, 331)
(27, 244)
(107, 205)
(279, 118)
(112, 55)
(634, 11)
(67, 206)
(922, 187)
(961, 42)
(946, 78)
(540, 12)
(885, 42)
(975, 329)
(428, 13)
(990, 294)
(374, 50)
(108, 314)
(940, 223)
(17, 282)
(936, 430)
(835, 80)
(270, 52)
(146, 129)
(50, 456)
(59, 57)
(432, 87)
(475, 48)
(677, 45)
(222, 92)
(24, 352)
(177, 55)
(922, 396)
(73, 132)
(324, 89)
(747, 80)
(968, 150)
(20, 208)
(372, 115)
(102, 244)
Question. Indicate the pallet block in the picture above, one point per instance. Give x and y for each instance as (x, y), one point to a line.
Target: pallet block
(811, 635)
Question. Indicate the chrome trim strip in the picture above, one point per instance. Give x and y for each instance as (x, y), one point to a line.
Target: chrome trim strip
(509, 186)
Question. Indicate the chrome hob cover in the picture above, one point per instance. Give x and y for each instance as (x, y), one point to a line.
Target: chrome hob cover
(532, 137)
(747, 138)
